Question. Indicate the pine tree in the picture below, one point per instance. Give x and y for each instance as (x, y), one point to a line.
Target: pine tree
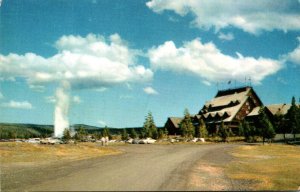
(223, 133)
(80, 134)
(66, 135)
(186, 126)
(293, 117)
(106, 133)
(149, 127)
(161, 134)
(248, 131)
(203, 130)
(124, 135)
(133, 134)
(266, 128)
(280, 124)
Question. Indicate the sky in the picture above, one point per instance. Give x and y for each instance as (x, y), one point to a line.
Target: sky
(110, 62)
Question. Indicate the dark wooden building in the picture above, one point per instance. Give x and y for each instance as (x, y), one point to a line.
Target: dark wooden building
(172, 125)
(230, 106)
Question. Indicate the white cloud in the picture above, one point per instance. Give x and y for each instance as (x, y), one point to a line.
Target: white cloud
(294, 56)
(251, 16)
(209, 63)
(150, 91)
(85, 62)
(76, 99)
(226, 37)
(17, 104)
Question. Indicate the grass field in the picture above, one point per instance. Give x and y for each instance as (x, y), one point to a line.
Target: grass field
(27, 153)
(268, 167)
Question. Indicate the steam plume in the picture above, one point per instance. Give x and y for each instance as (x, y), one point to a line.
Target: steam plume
(61, 121)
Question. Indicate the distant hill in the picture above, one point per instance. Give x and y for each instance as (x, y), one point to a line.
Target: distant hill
(16, 130)
(19, 130)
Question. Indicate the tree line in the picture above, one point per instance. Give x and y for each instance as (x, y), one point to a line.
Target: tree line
(267, 129)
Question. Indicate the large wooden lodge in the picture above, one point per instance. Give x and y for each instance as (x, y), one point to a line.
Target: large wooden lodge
(229, 106)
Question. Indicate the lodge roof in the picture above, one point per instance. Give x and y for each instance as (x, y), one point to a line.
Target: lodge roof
(226, 104)
(279, 108)
(254, 112)
(175, 121)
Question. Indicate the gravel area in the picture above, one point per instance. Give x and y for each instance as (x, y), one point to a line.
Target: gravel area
(140, 167)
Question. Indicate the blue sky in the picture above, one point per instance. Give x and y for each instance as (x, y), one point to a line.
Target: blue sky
(123, 58)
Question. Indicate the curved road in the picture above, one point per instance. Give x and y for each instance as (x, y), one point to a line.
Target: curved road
(140, 167)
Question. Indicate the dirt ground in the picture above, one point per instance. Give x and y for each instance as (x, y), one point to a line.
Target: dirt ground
(138, 167)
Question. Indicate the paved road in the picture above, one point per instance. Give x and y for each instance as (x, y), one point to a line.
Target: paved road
(140, 167)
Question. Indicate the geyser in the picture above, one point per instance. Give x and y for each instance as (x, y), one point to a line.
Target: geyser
(61, 121)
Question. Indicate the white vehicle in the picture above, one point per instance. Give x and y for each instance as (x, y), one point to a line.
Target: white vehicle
(147, 141)
(50, 141)
(129, 141)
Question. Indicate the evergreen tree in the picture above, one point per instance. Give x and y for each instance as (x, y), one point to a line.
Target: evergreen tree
(203, 130)
(248, 131)
(80, 135)
(106, 133)
(149, 128)
(293, 117)
(280, 124)
(161, 134)
(133, 134)
(186, 126)
(223, 133)
(124, 135)
(66, 135)
(266, 128)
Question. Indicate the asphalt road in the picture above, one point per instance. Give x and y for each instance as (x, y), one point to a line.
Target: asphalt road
(139, 168)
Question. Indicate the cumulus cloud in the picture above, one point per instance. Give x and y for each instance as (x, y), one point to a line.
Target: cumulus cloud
(18, 104)
(294, 56)
(226, 37)
(85, 62)
(150, 91)
(209, 63)
(250, 16)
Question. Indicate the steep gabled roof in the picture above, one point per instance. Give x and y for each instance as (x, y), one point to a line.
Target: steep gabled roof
(279, 108)
(226, 104)
(225, 100)
(175, 121)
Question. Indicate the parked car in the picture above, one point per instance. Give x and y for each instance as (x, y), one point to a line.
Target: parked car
(147, 141)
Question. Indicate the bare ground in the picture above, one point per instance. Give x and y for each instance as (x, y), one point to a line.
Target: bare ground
(140, 167)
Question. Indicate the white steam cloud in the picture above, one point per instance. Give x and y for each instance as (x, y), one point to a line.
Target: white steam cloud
(91, 62)
(61, 121)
